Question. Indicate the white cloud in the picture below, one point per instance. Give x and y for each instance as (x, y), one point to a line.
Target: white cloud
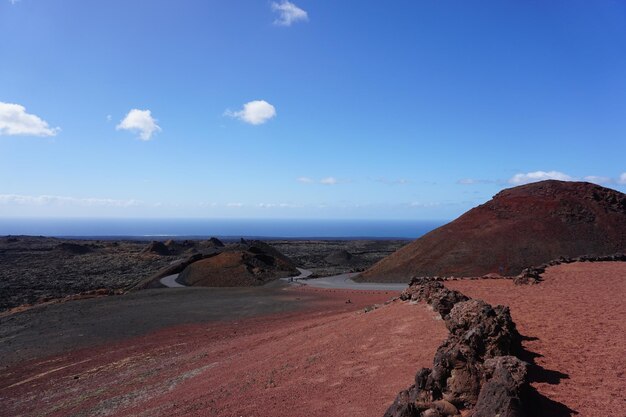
(622, 179)
(424, 205)
(526, 178)
(598, 179)
(235, 205)
(288, 13)
(329, 181)
(48, 200)
(14, 1)
(387, 181)
(15, 121)
(140, 121)
(473, 181)
(254, 112)
(278, 205)
(323, 181)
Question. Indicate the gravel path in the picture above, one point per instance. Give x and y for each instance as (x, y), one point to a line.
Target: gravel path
(341, 281)
(344, 281)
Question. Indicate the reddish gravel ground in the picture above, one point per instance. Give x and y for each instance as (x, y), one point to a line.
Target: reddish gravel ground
(578, 317)
(330, 359)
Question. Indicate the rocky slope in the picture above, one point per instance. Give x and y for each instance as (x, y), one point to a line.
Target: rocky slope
(521, 226)
(247, 264)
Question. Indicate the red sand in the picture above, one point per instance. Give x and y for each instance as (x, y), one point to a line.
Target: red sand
(332, 359)
(578, 315)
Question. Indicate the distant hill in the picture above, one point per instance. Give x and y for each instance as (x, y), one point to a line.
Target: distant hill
(519, 227)
(243, 265)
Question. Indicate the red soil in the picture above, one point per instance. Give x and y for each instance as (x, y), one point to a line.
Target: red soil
(332, 359)
(578, 317)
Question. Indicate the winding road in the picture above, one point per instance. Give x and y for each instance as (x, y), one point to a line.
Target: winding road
(341, 281)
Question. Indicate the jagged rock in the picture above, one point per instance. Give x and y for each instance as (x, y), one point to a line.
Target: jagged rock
(433, 292)
(465, 362)
(404, 405)
(488, 330)
(505, 378)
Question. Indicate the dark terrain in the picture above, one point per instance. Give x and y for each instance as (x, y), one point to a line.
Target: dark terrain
(520, 227)
(36, 269)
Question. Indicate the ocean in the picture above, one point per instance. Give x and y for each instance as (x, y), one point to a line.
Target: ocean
(224, 228)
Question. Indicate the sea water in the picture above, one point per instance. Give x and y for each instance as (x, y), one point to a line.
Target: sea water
(202, 228)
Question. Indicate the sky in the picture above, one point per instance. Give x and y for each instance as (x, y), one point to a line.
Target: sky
(411, 109)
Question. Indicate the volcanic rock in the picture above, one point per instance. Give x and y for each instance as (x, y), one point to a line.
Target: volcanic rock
(157, 248)
(433, 293)
(474, 365)
(340, 257)
(73, 248)
(521, 226)
(215, 242)
(500, 394)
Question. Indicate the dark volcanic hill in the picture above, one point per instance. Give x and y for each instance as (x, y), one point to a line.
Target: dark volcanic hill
(519, 227)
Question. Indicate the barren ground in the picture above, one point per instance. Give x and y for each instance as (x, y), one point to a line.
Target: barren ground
(577, 332)
(323, 358)
(33, 269)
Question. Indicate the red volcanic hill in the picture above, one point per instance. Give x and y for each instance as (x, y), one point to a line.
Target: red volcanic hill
(245, 265)
(519, 227)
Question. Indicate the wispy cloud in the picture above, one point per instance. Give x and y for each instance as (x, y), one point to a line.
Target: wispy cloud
(421, 204)
(49, 200)
(234, 205)
(329, 181)
(387, 181)
(254, 112)
(14, 121)
(323, 181)
(473, 181)
(278, 205)
(528, 177)
(535, 176)
(598, 179)
(140, 121)
(288, 13)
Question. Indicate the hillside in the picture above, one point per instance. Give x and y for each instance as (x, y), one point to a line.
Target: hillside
(521, 226)
(244, 265)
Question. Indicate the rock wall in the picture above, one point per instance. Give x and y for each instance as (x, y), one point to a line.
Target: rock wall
(476, 368)
(532, 275)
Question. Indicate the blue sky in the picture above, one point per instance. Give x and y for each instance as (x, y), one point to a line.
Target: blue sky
(309, 109)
